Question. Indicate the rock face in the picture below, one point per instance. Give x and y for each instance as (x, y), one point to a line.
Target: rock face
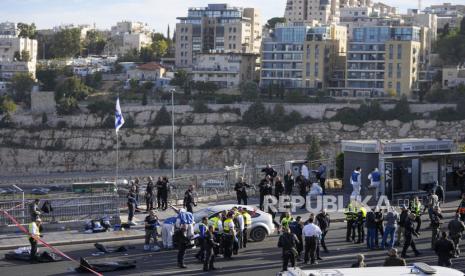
(197, 146)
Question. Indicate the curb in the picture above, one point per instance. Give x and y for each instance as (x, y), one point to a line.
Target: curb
(59, 243)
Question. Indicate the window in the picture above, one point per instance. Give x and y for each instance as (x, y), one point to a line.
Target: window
(398, 88)
(390, 67)
(399, 51)
(391, 51)
(399, 70)
(307, 69)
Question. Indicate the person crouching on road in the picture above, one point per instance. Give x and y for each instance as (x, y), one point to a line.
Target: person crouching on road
(183, 242)
(34, 231)
(209, 245)
(151, 233)
(288, 242)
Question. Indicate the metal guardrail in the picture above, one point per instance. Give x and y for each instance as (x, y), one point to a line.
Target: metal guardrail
(66, 209)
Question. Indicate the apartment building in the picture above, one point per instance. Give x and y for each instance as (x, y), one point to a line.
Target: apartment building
(217, 27)
(307, 11)
(383, 61)
(324, 56)
(282, 56)
(8, 28)
(12, 59)
(453, 76)
(129, 27)
(226, 70)
(127, 35)
(447, 13)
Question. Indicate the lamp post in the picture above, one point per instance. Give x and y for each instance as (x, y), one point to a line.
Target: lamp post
(172, 134)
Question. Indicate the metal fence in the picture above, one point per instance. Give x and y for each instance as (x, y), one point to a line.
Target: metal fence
(66, 209)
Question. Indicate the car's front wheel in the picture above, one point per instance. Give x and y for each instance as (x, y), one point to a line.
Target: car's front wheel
(258, 234)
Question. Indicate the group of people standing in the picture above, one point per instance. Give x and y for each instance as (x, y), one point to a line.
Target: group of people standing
(153, 191)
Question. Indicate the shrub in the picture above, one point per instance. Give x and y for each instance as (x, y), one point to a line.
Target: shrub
(228, 109)
(67, 106)
(163, 117)
(200, 107)
(61, 124)
(256, 116)
(214, 142)
(266, 142)
(101, 108)
(44, 118)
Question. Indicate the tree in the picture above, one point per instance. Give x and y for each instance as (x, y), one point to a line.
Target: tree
(182, 79)
(445, 30)
(67, 106)
(95, 42)
(249, 90)
(256, 116)
(66, 43)
(21, 85)
(7, 105)
(72, 88)
(271, 24)
(462, 26)
(144, 97)
(27, 31)
(314, 151)
(147, 54)
(101, 108)
(132, 55)
(163, 118)
(160, 48)
(94, 80)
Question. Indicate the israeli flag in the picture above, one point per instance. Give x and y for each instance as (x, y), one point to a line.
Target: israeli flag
(119, 120)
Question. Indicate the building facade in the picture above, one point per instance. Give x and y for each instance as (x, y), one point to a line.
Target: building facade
(282, 56)
(217, 27)
(307, 11)
(17, 55)
(383, 61)
(453, 76)
(226, 70)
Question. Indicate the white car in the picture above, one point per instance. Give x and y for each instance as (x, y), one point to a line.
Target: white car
(379, 271)
(262, 223)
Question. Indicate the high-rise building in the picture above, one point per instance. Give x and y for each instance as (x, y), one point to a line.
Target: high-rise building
(282, 56)
(323, 11)
(324, 56)
(217, 27)
(384, 61)
(448, 14)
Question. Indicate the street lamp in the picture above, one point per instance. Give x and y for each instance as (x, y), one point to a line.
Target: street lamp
(172, 91)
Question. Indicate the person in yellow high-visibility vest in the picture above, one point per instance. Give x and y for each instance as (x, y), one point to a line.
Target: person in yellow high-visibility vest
(228, 236)
(34, 231)
(247, 225)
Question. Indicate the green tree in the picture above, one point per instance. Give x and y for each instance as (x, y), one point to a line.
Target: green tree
(144, 97)
(271, 23)
(451, 48)
(94, 80)
(27, 31)
(256, 116)
(184, 80)
(462, 26)
(147, 54)
(163, 118)
(67, 106)
(25, 56)
(101, 108)
(249, 90)
(72, 88)
(95, 42)
(132, 55)
(20, 86)
(160, 48)
(7, 105)
(314, 151)
(66, 43)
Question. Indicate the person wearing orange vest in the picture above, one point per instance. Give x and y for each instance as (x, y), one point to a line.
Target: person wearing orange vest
(461, 208)
(34, 231)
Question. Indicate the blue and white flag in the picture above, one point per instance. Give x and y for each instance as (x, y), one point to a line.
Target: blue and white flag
(119, 120)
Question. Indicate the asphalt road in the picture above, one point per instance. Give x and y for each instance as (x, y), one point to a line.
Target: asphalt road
(258, 259)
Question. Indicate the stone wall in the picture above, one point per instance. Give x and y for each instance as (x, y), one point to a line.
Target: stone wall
(43, 102)
(58, 150)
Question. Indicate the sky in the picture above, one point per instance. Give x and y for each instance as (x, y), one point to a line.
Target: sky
(157, 13)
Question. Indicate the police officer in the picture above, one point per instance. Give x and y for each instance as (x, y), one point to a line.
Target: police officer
(444, 248)
(247, 225)
(217, 223)
(209, 245)
(350, 219)
(241, 192)
(229, 235)
(34, 231)
(415, 208)
(402, 219)
(409, 233)
(239, 226)
(286, 220)
(456, 228)
(361, 218)
(182, 242)
(296, 228)
(436, 221)
(189, 201)
(288, 242)
(265, 188)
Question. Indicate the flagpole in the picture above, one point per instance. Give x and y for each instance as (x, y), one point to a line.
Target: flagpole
(117, 157)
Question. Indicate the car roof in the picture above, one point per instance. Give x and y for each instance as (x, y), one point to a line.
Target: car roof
(370, 271)
(219, 208)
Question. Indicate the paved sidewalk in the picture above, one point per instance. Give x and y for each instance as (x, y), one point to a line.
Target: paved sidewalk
(67, 237)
